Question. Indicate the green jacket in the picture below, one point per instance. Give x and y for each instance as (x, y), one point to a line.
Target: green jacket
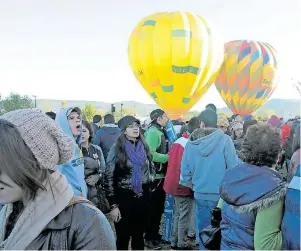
(157, 143)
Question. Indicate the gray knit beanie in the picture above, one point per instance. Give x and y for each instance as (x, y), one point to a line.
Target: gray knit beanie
(43, 136)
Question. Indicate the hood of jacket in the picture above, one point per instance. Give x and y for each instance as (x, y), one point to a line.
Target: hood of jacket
(62, 120)
(111, 129)
(251, 187)
(206, 140)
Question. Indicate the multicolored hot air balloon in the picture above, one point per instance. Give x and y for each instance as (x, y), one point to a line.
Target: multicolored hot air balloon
(175, 56)
(248, 75)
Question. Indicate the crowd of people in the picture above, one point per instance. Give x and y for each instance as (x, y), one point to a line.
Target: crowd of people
(66, 183)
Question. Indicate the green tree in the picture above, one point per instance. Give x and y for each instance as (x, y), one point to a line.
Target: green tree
(188, 115)
(15, 101)
(89, 111)
(265, 114)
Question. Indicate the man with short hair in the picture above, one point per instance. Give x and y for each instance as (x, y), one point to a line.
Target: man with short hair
(106, 136)
(97, 119)
(157, 141)
(207, 155)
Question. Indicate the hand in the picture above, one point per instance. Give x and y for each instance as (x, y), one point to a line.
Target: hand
(115, 215)
(92, 179)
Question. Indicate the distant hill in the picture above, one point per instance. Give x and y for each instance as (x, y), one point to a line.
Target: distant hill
(280, 106)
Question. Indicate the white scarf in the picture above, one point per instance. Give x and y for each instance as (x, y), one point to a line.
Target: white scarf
(37, 214)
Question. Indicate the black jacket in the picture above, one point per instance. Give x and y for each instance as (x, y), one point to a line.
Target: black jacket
(95, 164)
(119, 178)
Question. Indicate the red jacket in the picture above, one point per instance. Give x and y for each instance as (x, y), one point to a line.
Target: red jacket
(172, 178)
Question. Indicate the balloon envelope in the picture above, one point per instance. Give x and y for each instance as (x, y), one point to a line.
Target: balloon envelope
(175, 56)
(248, 75)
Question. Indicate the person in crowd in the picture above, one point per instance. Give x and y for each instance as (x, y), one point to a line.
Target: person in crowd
(183, 199)
(274, 121)
(212, 107)
(236, 118)
(106, 137)
(70, 120)
(237, 134)
(41, 212)
(94, 169)
(295, 161)
(248, 117)
(157, 140)
(207, 155)
(247, 124)
(291, 220)
(252, 194)
(127, 180)
(285, 131)
(97, 120)
(51, 115)
(223, 122)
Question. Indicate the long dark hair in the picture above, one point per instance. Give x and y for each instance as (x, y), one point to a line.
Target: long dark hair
(89, 127)
(120, 153)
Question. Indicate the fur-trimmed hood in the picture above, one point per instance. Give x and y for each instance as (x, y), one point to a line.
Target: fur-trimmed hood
(246, 187)
(206, 139)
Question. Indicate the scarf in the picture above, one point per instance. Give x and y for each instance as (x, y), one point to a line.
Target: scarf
(137, 156)
(37, 213)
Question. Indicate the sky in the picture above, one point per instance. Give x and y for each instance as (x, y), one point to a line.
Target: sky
(77, 49)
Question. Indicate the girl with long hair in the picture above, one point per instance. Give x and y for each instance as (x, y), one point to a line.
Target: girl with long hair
(41, 211)
(127, 181)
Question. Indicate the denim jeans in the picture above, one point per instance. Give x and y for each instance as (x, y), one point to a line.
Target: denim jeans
(204, 209)
(180, 222)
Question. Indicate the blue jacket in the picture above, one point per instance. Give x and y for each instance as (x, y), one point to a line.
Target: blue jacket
(74, 169)
(291, 220)
(106, 137)
(207, 155)
(245, 190)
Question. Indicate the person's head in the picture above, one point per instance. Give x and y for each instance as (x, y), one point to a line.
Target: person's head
(193, 124)
(31, 146)
(208, 119)
(109, 119)
(237, 118)
(274, 121)
(97, 120)
(130, 127)
(261, 145)
(211, 106)
(51, 115)
(87, 133)
(237, 130)
(130, 130)
(74, 116)
(296, 140)
(160, 117)
(223, 122)
(247, 124)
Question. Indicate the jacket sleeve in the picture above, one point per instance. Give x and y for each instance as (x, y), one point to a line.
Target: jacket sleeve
(186, 174)
(231, 157)
(95, 234)
(66, 170)
(267, 234)
(109, 177)
(101, 158)
(153, 140)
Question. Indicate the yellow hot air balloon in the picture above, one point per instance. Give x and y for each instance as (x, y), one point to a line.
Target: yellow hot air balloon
(175, 56)
(248, 75)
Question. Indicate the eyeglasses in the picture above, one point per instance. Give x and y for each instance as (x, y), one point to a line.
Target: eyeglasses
(135, 125)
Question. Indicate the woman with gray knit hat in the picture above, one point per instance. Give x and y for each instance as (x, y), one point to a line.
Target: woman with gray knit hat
(40, 209)
(127, 183)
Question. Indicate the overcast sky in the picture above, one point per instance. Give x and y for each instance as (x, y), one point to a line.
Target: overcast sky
(48, 47)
